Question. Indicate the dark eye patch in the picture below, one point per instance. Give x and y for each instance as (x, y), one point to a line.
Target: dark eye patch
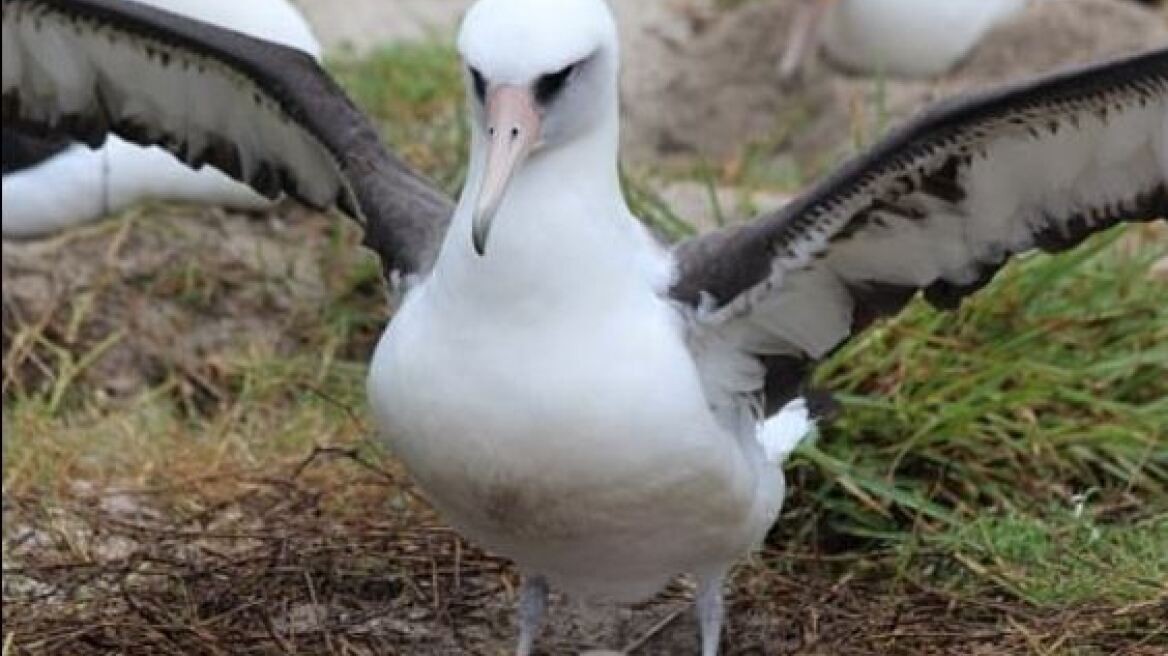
(480, 83)
(547, 87)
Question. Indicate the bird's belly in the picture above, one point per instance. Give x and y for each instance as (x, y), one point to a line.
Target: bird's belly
(590, 462)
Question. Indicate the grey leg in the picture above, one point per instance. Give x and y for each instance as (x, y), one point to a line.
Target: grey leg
(803, 38)
(711, 612)
(532, 602)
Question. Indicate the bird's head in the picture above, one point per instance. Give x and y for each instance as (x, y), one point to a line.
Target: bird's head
(540, 74)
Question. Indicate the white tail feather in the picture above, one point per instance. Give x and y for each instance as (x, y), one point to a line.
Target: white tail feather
(783, 432)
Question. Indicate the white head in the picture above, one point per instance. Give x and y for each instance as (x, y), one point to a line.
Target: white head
(540, 75)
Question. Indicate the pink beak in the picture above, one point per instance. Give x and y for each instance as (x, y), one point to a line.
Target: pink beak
(512, 131)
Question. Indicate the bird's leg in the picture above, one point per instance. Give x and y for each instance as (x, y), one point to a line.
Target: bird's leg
(532, 602)
(802, 39)
(711, 612)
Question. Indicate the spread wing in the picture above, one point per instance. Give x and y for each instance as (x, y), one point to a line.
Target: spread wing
(265, 114)
(21, 151)
(938, 206)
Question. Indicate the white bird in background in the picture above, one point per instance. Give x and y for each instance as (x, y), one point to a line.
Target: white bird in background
(594, 406)
(50, 183)
(902, 38)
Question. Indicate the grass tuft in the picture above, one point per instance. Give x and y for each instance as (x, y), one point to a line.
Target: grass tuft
(1065, 559)
(416, 90)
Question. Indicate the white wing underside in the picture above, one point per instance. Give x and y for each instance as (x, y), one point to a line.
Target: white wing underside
(1015, 191)
(58, 65)
(120, 173)
(1043, 182)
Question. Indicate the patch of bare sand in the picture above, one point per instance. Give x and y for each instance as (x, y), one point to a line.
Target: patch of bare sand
(710, 84)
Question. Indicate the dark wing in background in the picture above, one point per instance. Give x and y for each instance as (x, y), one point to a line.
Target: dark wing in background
(938, 206)
(23, 151)
(265, 114)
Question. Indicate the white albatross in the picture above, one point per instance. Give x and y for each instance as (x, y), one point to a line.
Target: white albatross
(566, 391)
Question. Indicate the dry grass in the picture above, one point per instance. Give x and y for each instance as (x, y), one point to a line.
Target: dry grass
(333, 555)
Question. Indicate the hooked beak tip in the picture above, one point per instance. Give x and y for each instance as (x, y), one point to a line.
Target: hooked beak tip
(481, 229)
(479, 242)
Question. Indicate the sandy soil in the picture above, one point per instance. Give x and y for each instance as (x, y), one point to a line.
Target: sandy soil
(715, 86)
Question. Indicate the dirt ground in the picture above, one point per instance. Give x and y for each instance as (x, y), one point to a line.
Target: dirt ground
(126, 290)
(686, 49)
(669, 107)
(334, 556)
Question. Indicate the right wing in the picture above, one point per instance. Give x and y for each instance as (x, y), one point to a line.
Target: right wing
(265, 114)
(937, 206)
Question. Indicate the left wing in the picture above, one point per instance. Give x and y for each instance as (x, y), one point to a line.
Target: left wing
(937, 206)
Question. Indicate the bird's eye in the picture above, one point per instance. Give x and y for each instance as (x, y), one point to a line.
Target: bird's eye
(480, 83)
(547, 87)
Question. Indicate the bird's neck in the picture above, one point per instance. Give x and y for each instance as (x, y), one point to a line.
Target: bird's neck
(562, 235)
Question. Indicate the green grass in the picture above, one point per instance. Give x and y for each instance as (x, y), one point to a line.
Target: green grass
(964, 440)
(416, 90)
(974, 432)
(1064, 559)
(1057, 370)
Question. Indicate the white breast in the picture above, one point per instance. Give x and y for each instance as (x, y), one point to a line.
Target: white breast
(589, 456)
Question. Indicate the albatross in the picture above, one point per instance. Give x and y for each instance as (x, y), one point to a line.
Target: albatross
(567, 392)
